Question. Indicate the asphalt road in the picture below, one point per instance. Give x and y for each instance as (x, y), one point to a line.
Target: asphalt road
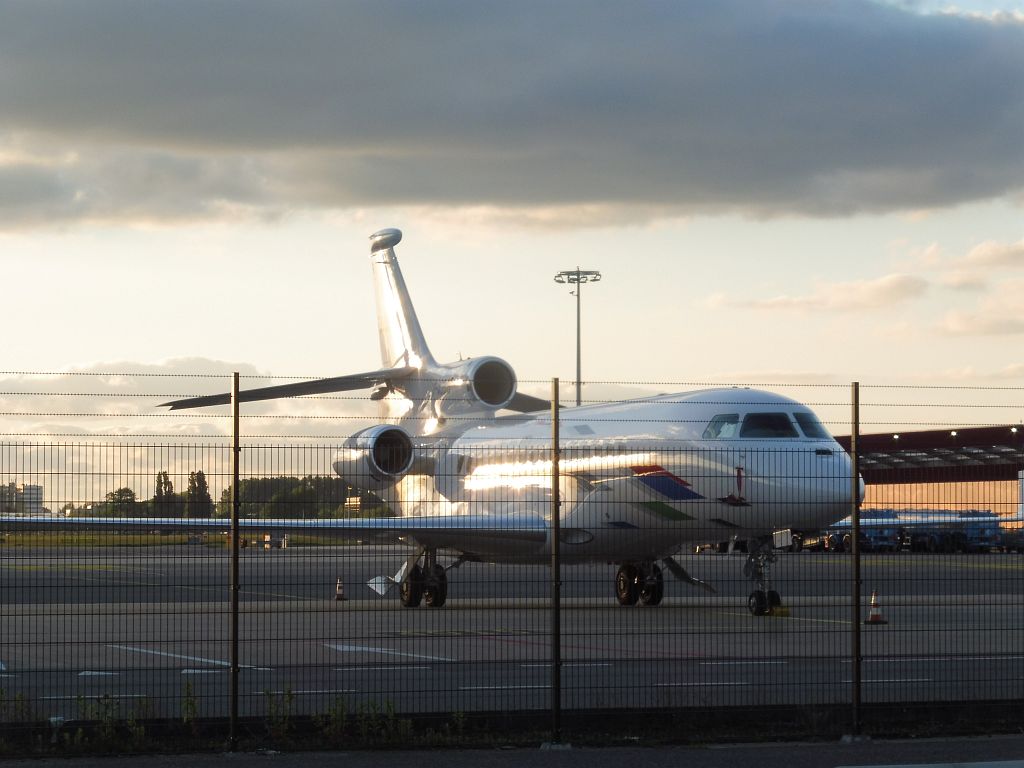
(149, 626)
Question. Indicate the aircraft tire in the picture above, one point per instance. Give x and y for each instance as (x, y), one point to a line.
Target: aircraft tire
(757, 603)
(627, 591)
(435, 593)
(773, 598)
(410, 591)
(653, 589)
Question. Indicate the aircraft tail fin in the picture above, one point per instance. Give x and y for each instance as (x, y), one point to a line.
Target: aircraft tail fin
(402, 343)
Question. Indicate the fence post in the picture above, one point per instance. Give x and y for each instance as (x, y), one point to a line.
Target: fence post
(855, 552)
(556, 577)
(234, 586)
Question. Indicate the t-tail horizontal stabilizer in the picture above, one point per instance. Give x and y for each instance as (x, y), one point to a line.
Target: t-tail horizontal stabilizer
(385, 376)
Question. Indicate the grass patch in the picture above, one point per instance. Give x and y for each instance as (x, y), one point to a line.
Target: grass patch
(101, 539)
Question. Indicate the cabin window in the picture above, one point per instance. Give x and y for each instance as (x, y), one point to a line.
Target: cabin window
(811, 426)
(722, 426)
(768, 425)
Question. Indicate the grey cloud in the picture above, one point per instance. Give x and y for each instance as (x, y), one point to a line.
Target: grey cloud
(761, 108)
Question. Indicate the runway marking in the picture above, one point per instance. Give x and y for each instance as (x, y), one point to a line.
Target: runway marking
(215, 662)
(90, 673)
(898, 680)
(738, 663)
(382, 669)
(596, 648)
(890, 659)
(78, 697)
(311, 691)
(383, 651)
(547, 664)
(501, 687)
(202, 671)
(986, 764)
(696, 685)
(307, 598)
(941, 658)
(792, 618)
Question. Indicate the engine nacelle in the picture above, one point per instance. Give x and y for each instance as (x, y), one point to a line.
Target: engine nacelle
(483, 383)
(375, 458)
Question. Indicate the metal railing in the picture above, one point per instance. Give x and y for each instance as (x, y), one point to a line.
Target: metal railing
(275, 619)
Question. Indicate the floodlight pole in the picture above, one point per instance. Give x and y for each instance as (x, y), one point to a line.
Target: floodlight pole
(236, 496)
(577, 277)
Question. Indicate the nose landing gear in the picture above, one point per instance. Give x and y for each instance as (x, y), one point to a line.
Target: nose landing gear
(763, 600)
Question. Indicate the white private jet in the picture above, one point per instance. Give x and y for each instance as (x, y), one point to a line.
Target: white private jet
(639, 480)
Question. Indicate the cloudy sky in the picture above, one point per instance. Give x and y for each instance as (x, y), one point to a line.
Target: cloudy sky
(774, 191)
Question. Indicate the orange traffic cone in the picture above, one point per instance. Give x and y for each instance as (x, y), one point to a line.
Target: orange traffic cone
(875, 614)
(339, 590)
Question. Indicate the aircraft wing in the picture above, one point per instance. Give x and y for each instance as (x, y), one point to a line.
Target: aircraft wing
(460, 532)
(313, 387)
(520, 402)
(528, 404)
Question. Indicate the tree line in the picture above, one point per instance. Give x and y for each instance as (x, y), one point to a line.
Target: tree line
(263, 497)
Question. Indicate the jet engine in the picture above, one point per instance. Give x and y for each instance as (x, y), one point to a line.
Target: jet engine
(483, 383)
(375, 458)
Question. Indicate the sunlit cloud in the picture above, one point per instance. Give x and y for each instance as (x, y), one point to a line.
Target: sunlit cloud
(962, 281)
(839, 297)
(998, 314)
(992, 253)
(1012, 371)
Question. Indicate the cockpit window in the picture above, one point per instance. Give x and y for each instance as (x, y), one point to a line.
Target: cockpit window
(811, 426)
(722, 426)
(768, 425)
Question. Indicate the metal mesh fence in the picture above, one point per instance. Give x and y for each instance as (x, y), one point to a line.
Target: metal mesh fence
(705, 558)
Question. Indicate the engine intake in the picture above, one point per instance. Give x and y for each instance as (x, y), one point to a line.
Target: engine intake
(493, 382)
(484, 383)
(375, 458)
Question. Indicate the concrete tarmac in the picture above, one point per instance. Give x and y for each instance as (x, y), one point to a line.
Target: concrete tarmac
(988, 752)
(144, 625)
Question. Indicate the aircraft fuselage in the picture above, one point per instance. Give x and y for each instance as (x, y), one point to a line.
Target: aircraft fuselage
(638, 479)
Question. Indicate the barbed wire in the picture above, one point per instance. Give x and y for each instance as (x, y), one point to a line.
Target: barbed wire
(593, 401)
(565, 382)
(470, 438)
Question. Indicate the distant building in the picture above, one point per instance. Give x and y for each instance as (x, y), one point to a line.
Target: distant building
(21, 499)
(8, 498)
(31, 498)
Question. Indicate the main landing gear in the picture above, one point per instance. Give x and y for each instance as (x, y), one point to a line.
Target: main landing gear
(427, 583)
(763, 600)
(639, 581)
